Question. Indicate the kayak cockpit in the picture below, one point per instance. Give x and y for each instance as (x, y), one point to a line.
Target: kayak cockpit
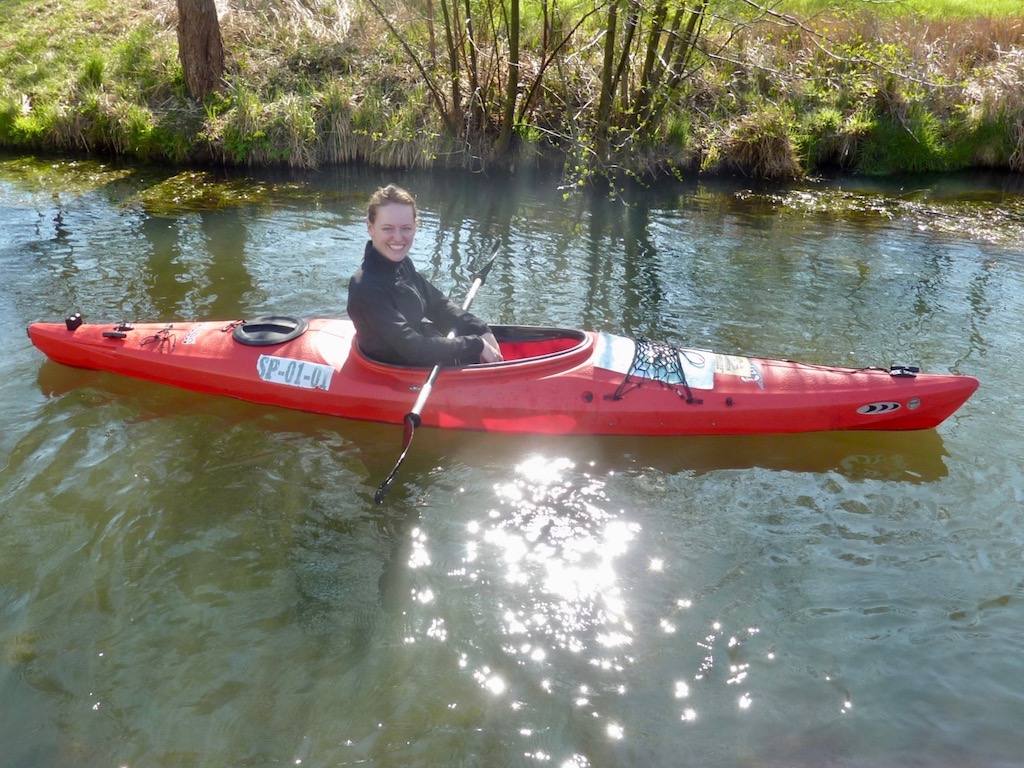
(526, 343)
(520, 345)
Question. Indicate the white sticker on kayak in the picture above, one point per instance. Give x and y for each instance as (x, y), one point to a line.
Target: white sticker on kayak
(294, 373)
(615, 353)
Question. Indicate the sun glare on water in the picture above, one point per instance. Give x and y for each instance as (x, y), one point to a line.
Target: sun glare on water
(554, 547)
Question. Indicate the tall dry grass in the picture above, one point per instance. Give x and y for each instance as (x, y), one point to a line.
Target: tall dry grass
(314, 82)
(868, 92)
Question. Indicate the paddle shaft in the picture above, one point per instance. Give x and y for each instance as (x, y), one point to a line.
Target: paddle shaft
(412, 418)
(425, 390)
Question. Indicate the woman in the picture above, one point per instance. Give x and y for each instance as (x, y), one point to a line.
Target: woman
(399, 316)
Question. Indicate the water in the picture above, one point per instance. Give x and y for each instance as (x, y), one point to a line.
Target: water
(194, 581)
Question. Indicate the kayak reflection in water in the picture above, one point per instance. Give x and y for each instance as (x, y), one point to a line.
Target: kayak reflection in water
(399, 316)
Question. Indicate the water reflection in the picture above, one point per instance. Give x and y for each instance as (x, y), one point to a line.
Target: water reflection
(657, 263)
(557, 541)
(407, 552)
(196, 579)
(196, 274)
(551, 550)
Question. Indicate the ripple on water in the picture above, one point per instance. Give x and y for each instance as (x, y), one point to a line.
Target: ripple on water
(188, 580)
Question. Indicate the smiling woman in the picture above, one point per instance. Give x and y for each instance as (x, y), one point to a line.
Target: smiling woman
(391, 222)
(400, 317)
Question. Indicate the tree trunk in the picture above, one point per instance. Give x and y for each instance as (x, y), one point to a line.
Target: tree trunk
(200, 47)
(512, 89)
(607, 97)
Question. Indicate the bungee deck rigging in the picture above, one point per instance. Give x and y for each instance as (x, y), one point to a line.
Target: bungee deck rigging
(655, 361)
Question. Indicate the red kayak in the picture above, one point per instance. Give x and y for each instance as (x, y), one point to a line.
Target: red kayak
(553, 381)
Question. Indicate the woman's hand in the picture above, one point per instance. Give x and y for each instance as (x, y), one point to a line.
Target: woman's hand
(492, 352)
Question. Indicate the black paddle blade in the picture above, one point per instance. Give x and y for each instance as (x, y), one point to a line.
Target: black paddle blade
(411, 421)
(383, 488)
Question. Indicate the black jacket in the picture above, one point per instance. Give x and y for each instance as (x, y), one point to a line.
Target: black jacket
(401, 318)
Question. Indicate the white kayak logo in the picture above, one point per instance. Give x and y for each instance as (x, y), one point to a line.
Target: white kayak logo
(874, 409)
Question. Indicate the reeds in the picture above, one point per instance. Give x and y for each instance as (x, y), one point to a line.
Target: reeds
(314, 82)
(876, 95)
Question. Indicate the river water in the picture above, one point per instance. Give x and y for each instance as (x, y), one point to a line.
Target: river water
(195, 581)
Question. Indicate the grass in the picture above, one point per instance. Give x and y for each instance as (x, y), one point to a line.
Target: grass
(883, 87)
(928, 10)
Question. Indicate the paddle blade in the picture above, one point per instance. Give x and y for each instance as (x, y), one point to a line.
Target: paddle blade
(411, 421)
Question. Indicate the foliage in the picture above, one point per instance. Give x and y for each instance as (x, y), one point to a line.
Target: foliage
(637, 87)
(926, 10)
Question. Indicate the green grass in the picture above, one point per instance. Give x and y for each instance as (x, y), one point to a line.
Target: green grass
(84, 75)
(940, 10)
(103, 76)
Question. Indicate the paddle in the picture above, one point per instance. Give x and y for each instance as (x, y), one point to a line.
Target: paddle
(412, 418)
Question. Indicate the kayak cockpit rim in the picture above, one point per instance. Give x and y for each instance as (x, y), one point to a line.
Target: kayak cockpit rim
(529, 345)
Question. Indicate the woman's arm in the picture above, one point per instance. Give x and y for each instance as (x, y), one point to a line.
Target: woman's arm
(385, 334)
(445, 314)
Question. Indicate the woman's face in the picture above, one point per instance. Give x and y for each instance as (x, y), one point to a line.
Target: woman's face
(393, 230)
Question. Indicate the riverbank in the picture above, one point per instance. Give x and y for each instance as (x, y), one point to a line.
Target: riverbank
(312, 83)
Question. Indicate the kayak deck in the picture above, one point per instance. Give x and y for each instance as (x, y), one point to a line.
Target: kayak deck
(553, 381)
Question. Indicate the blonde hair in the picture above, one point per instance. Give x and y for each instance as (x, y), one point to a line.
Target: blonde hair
(386, 196)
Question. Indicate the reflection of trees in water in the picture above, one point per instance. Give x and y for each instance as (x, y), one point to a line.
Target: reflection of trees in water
(617, 231)
(194, 273)
(106, 253)
(978, 290)
(721, 263)
(539, 231)
(228, 278)
(472, 218)
(44, 255)
(162, 287)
